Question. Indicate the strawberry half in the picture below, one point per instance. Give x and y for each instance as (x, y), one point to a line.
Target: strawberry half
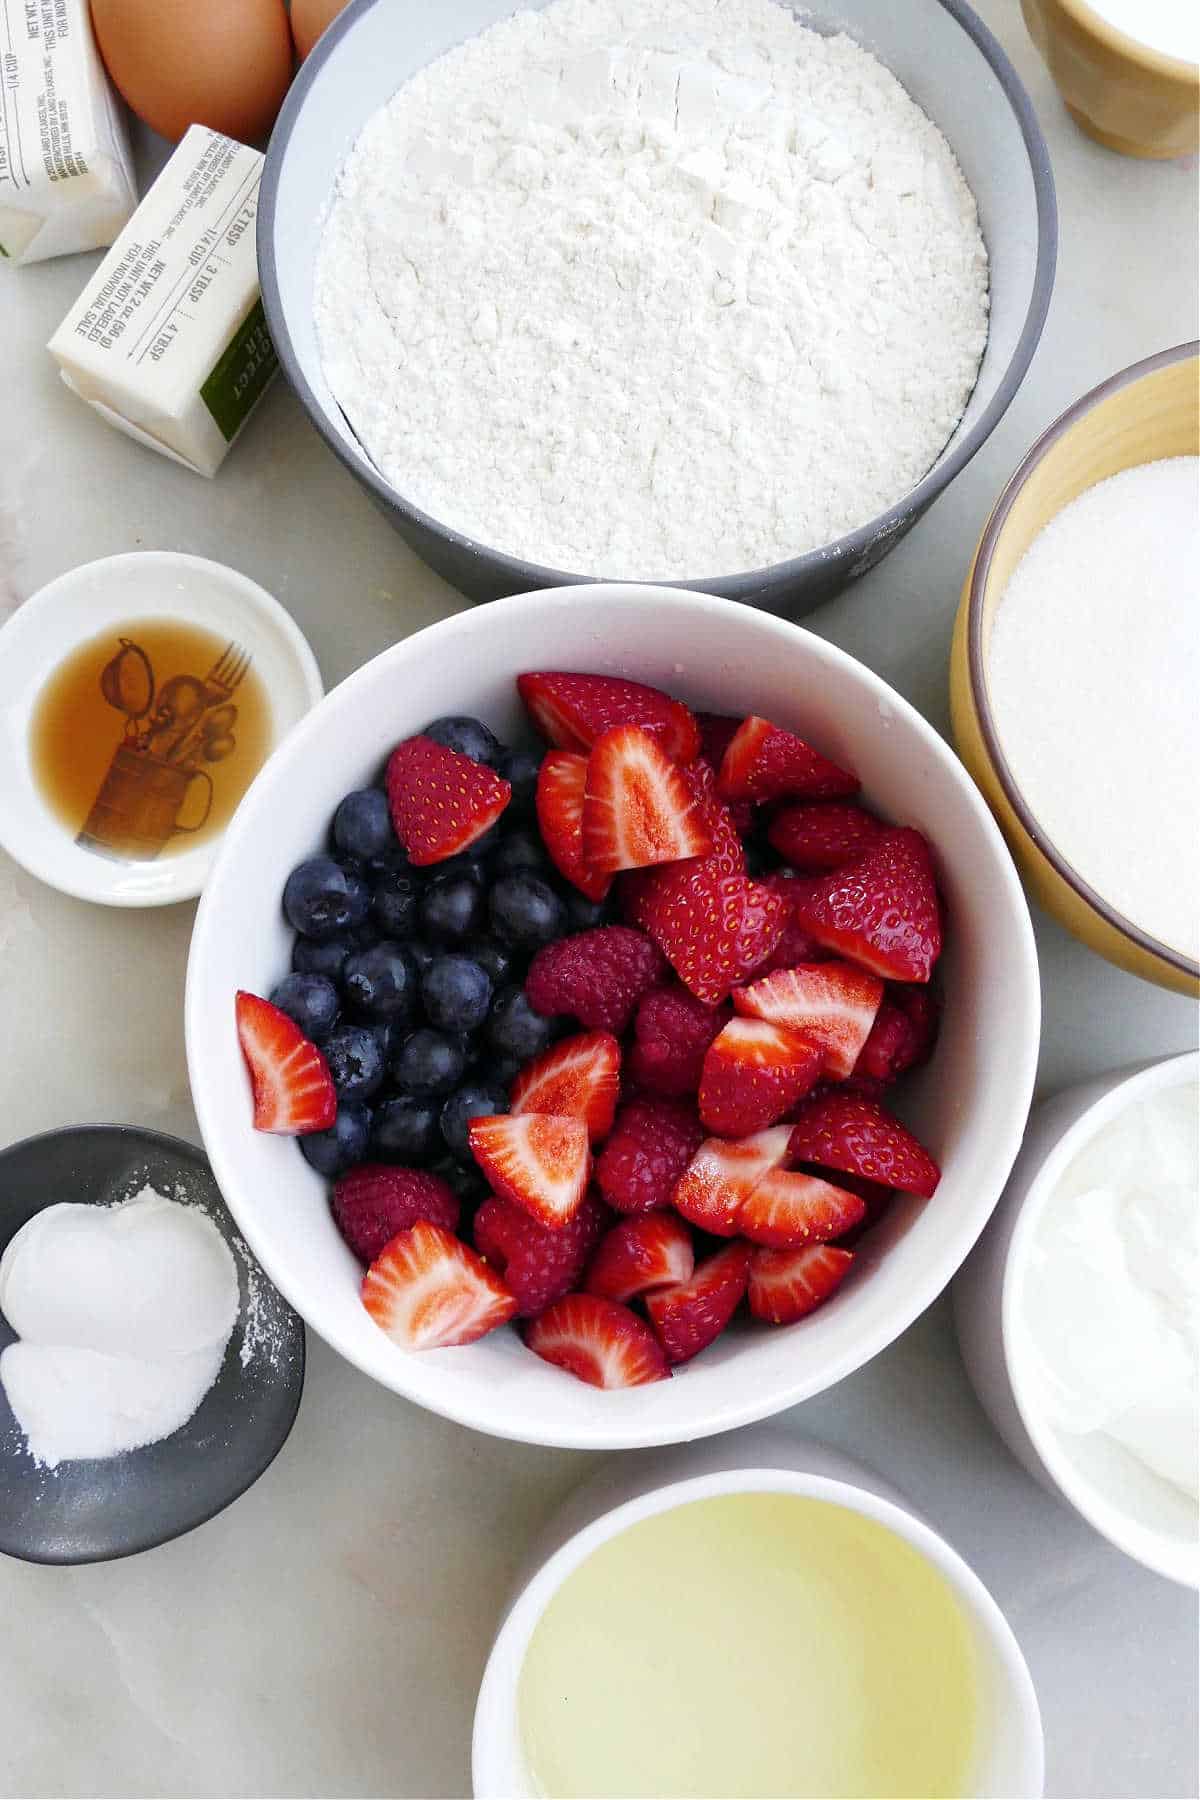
(426, 1291)
(723, 1174)
(537, 1161)
(688, 1316)
(786, 1209)
(577, 1078)
(650, 1251)
(599, 1341)
(559, 802)
(293, 1089)
(440, 801)
(881, 911)
(764, 762)
(714, 929)
(784, 1285)
(572, 711)
(833, 1004)
(638, 806)
(753, 1073)
(845, 1131)
(823, 835)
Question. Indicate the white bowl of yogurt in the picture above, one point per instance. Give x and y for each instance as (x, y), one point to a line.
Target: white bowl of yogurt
(1078, 1312)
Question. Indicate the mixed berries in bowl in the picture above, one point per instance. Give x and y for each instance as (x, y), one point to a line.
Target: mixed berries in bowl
(593, 1012)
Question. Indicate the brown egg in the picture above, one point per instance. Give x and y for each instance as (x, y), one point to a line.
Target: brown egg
(309, 19)
(222, 63)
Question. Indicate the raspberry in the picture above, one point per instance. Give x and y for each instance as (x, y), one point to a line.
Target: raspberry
(903, 1034)
(652, 1143)
(376, 1200)
(671, 1032)
(597, 976)
(537, 1263)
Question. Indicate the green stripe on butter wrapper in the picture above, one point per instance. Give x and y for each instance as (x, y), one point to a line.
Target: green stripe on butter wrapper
(242, 371)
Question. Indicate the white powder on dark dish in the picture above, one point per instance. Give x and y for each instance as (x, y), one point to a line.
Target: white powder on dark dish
(652, 288)
(1093, 673)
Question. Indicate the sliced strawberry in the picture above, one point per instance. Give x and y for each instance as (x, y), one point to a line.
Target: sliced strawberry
(440, 800)
(786, 1209)
(426, 1290)
(903, 1035)
(881, 911)
(639, 808)
(753, 1072)
(671, 1032)
(653, 1250)
(572, 711)
(690, 1315)
(832, 1003)
(845, 1131)
(598, 1340)
(374, 1201)
(724, 826)
(290, 1079)
(538, 1263)
(786, 1284)
(714, 929)
(724, 1173)
(652, 1143)
(764, 762)
(823, 835)
(537, 1161)
(560, 786)
(577, 1078)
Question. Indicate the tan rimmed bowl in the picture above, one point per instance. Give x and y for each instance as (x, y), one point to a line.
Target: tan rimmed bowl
(1125, 95)
(1147, 412)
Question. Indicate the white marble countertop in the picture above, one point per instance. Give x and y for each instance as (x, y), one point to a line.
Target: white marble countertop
(326, 1635)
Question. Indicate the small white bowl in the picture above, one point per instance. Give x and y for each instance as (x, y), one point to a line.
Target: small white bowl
(81, 605)
(1009, 1759)
(1143, 1515)
(969, 1104)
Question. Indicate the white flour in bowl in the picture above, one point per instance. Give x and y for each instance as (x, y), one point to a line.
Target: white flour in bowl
(652, 288)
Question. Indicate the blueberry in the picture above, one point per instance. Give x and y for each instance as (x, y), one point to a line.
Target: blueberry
(505, 1069)
(429, 1062)
(451, 909)
(474, 1100)
(520, 769)
(325, 958)
(584, 914)
(322, 898)
(394, 898)
(470, 737)
(406, 1129)
(362, 824)
(525, 910)
(356, 1061)
(467, 863)
(310, 1000)
(456, 992)
(520, 849)
(514, 1029)
(381, 981)
(422, 954)
(334, 1151)
(387, 1034)
(496, 958)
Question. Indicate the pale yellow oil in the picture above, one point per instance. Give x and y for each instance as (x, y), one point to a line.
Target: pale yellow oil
(754, 1645)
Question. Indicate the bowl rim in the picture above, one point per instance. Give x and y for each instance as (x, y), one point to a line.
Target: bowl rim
(219, 1137)
(977, 661)
(522, 575)
(1129, 49)
(883, 1507)
(1153, 1548)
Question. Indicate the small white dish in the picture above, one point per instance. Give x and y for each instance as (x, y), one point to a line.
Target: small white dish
(1009, 1750)
(1141, 1513)
(80, 605)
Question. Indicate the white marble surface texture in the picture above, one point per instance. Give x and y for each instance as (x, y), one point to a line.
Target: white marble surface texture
(325, 1636)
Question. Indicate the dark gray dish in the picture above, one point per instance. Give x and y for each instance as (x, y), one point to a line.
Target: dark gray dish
(946, 58)
(94, 1511)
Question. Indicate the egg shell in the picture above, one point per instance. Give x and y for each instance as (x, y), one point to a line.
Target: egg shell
(309, 19)
(226, 64)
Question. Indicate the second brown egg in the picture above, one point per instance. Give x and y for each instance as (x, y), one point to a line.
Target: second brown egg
(222, 63)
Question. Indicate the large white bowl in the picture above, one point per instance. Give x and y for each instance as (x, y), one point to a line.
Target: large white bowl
(1009, 1752)
(969, 1104)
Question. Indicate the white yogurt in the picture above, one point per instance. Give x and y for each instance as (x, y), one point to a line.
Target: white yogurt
(1110, 1301)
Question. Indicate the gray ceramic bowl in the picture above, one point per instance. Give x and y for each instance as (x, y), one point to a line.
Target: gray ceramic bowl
(939, 49)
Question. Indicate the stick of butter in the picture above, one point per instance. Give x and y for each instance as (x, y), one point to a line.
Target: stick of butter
(168, 340)
(66, 180)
